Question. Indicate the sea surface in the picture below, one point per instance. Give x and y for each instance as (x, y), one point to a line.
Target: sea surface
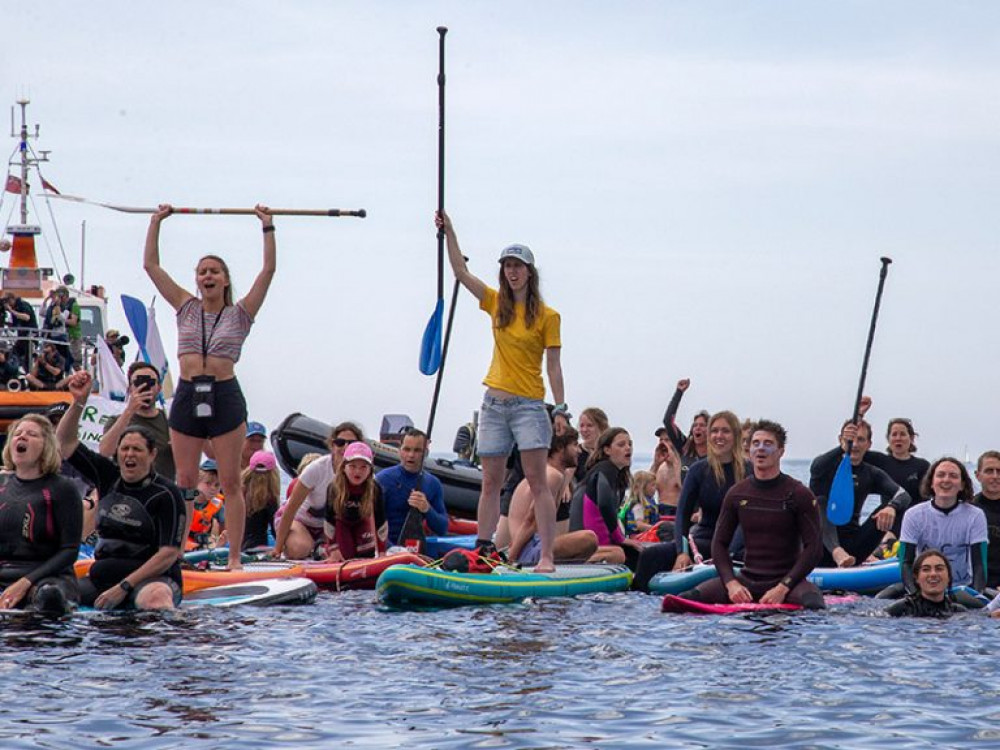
(603, 671)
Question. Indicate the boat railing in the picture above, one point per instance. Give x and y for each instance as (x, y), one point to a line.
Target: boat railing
(25, 339)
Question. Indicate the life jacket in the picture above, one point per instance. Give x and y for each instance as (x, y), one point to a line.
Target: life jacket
(201, 518)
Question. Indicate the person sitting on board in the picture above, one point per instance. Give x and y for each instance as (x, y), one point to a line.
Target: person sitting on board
(208, 513)
(570, 546)
(705, 486)
(354, 523)
(853, 542)
(694, 445)
(140, 516)
(931, 575)
(988, 500)
(41, 522)
(639, 511)
(141, 409)
(49, 370)
(407, 488)
(299, 521)
(261, 492)
(782, 531)
(592, 423)
(668, 468)
(597, 499)
(306, 459)
(948, 522)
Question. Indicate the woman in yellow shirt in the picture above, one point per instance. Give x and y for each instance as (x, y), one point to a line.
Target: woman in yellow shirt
(513, 410)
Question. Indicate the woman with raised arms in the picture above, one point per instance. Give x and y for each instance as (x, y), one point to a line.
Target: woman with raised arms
(211, 329)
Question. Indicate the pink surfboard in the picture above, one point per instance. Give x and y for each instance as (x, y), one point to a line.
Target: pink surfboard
(679, 605)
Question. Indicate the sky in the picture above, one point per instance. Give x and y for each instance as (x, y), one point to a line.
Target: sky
(707, 188)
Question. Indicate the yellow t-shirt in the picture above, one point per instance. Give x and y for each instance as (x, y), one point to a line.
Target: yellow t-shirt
(517, 350)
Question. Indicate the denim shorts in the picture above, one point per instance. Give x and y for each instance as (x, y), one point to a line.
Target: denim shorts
(509, 421)
(532, 551)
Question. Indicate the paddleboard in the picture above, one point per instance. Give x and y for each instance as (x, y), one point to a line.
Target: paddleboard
(255, 594)
(437, 546)
(669, 582)
(869, 578)
(410, 586)
(679, 605)
(360, 573)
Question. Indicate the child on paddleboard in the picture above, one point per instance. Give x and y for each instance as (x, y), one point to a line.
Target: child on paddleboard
(355, 523)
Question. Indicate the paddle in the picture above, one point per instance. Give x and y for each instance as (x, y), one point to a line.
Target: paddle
(360, 213)
(840, 503)
(430, 345)
(412, 536)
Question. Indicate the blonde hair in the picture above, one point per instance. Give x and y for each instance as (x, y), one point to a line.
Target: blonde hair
(260, 489)
(336, 494)
(305, 461)
(227, 293)
(50, 461)
(739, 460)
(636, 493)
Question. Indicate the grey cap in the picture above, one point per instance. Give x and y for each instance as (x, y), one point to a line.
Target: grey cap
(520, 252)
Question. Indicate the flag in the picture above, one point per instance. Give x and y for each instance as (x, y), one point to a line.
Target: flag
(147, 336)
(111, 381)
(46, 185)
(13, 184)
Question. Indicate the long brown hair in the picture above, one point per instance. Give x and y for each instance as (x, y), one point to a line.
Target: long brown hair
(359, 436)
(739, 461)
(505, 303)
(337, 492)
(260, 489)
(603, 443)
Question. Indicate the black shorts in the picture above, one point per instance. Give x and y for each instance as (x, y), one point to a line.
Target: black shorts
(229, 410)
(89, 592)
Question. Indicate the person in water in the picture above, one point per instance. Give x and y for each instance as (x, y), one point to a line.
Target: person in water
(782, 529)
(140, 516)
(854, 542)
(949, 522)
(41, 522)
(525, 331)
(354, 524)
(300, 520)
(570, 546)
(705, 486)
(211, 330)
(407, 488)
(931, 574)
(988, 500)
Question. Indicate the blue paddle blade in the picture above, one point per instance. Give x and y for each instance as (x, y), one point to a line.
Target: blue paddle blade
(430, 345)
(840, 503)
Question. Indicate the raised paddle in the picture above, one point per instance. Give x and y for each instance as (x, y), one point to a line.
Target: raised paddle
(360, 213)
(430, 345)
(840, 502)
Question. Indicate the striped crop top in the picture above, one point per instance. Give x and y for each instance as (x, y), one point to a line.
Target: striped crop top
(225, 338)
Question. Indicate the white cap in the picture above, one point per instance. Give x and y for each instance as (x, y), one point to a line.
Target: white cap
(520, 252)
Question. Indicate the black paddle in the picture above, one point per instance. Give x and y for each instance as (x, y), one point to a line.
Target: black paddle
(840, 503)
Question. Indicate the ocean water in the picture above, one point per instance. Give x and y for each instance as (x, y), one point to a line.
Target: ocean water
(602, 671)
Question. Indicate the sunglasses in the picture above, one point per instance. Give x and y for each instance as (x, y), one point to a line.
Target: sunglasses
(341, 442)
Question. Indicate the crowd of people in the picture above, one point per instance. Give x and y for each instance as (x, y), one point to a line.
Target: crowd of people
(159, 484)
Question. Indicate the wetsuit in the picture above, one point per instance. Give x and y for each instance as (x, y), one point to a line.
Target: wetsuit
(992, 510)
(908, 473)
(677, 437)
(702, 490)
(397, 484)
(41, 521)
(858, 540)
(596, 502)
(959, 533)
(916, 605)
(353, 535)
(133, 522)
(782, 527)
(259, 525)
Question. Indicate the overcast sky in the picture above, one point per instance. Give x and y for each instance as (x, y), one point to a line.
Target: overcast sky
(707, 187)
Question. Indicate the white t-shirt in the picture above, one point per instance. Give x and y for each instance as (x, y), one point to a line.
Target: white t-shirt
(317, 476)
(953, 534)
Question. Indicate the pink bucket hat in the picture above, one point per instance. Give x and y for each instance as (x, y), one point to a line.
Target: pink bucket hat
(358, 450)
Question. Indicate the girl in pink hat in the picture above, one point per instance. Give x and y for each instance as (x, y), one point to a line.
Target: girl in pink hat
(355, 523)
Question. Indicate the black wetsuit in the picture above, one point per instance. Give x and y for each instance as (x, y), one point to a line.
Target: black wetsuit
(41, 521)
(258, 524)
(907, 474)
(784, 541)
(133, 522)
(858, 540)
(992, 510)
(677, 437)
(702, 490)
(915, 605)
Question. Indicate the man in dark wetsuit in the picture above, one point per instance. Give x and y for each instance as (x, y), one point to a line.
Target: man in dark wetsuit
(782, 530)
(932, 574)
(853, 542)
(988, 475)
